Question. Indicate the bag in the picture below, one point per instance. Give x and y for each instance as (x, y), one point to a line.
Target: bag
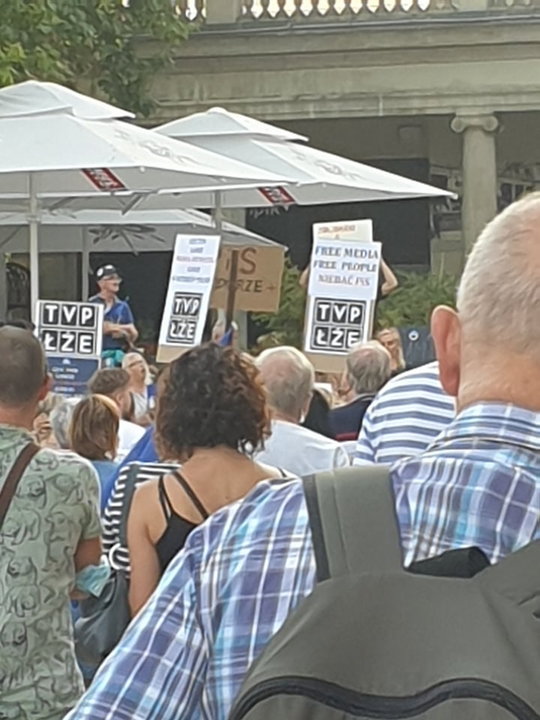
(103, 620)
(11, 483)
(376, 641)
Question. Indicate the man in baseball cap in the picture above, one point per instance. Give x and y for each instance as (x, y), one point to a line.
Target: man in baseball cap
(119, 331)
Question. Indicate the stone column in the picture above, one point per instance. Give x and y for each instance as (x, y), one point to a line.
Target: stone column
(479, 203)
(3, 287)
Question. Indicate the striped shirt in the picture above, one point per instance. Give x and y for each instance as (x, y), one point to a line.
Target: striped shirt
(405, 417)
(245, 569)
(115, 550)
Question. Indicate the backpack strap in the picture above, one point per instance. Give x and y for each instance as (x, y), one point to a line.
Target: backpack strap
(353, 521)
(516, 576)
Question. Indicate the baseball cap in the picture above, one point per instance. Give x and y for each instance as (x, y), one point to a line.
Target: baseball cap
(106, 271)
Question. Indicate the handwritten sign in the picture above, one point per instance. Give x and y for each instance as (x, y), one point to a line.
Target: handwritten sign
(258, 284)
(190, 286)
(71, 333)
(343, 285)
(345, 268)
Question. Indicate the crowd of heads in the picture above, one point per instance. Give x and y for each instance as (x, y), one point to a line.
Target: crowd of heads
(217, 407)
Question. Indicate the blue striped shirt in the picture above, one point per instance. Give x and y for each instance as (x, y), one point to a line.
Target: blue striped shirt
(244, 570)
(405, 417)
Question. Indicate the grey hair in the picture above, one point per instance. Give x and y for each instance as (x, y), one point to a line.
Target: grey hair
(499, 294)
(368, 367)
(288, 377)
(60, 419)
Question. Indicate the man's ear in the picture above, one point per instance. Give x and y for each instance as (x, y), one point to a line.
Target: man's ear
(46, 388)
(446, 333)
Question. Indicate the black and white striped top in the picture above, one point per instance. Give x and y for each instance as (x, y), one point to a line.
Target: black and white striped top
(116, 551)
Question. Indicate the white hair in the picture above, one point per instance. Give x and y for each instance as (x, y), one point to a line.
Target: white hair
(499, 294)
(288, 377)
(128, 359)
(368, 367)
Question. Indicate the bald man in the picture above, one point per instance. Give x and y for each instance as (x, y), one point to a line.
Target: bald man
(50, 530)
(244, 571)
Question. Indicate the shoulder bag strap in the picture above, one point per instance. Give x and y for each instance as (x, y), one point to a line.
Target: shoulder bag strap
(353, 521)
(14, 476)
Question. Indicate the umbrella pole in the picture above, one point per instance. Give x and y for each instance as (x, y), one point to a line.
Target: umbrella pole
(231, 292)
(34, 248)
(217, 212)
(85, 266)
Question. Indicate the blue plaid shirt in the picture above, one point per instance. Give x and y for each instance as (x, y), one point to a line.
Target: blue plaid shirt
(245, 569)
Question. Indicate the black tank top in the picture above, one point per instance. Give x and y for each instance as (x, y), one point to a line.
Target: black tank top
(178, 528)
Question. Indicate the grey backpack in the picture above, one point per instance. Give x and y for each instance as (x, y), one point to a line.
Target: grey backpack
(376, 641)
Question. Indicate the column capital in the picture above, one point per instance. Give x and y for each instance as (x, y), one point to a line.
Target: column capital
(486, 122)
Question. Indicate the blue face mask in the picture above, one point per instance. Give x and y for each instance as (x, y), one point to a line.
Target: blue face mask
(92, 579)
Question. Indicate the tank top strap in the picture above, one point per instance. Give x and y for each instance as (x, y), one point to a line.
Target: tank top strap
(190, 493)
(164, 500)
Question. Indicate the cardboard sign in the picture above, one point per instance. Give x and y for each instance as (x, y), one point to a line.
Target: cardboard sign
(71, 333)
(188, 297)
(343, 285)
(258, 285)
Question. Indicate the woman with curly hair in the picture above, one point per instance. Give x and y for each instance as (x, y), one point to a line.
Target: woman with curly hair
(211, 415)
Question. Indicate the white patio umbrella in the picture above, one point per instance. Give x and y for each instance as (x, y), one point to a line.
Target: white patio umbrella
(49, 149)
(138, 232)
(101, 231)
(315, 177)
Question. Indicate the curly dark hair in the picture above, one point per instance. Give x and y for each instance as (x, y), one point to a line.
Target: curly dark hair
(210, 396)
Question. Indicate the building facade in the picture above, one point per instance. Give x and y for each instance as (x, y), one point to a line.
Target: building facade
(445, 91)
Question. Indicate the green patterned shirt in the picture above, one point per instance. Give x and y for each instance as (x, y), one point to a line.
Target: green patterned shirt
(55, 507)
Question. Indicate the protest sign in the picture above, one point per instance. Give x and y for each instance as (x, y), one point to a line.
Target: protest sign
(71, 333)
(343, 285)
(190, 286)
(258, 281)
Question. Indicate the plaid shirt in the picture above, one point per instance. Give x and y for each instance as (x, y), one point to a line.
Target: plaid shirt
(243, 571)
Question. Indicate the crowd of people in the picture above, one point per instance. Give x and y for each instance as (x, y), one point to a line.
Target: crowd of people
(189, 484)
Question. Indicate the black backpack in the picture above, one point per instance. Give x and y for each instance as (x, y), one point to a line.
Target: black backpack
(376, 641)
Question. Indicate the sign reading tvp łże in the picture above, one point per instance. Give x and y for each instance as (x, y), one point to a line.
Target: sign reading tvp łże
(71, 333)
(343, 283)
(188, 297)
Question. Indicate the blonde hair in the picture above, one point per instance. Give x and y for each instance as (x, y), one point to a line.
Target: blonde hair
(94, 428)
(128, 359)
(398, 355)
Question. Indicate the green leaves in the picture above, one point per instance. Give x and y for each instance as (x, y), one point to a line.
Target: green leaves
(411, 304)
(89, 42)
(414, 300)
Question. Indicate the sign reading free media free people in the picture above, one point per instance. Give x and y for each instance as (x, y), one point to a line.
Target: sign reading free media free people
(72, 334)
(343, 284)
(188, 296)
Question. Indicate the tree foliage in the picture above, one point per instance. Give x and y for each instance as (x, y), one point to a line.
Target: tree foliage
(411, 304)
(89, 44)
(415, 299)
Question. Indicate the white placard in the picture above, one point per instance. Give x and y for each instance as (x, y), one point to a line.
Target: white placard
(343, 286)
(190, 286)
(71, 329)
(361, 230)
(72, 335)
